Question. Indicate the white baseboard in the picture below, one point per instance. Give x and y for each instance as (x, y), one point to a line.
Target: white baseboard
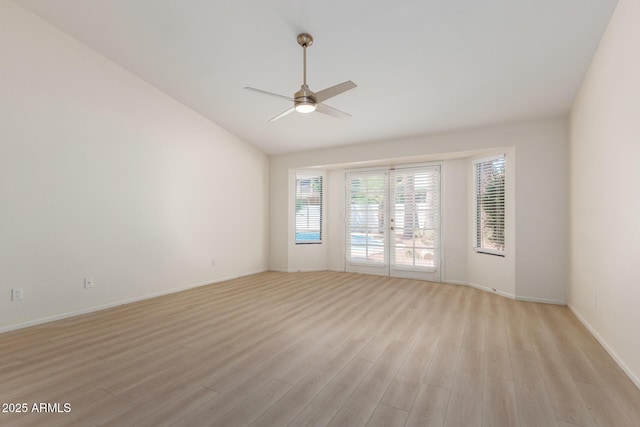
(490, 290)
(606, 346)
(481, 287)
(542, 300)
(506, 294)
(501, 293)
(61, 316)
(455, 282)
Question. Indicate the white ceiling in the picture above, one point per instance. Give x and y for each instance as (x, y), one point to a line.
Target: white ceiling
(422, 66)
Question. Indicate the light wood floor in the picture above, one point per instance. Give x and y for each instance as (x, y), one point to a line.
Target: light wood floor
(336, 349)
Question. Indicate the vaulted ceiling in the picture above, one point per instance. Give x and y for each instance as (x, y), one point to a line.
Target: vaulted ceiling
(421, 66)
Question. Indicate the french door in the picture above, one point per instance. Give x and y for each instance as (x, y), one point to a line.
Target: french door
(393, 222)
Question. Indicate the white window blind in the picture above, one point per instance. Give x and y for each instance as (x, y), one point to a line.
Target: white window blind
(415, 217)
(366, 222)
(308, 209)
(489, 186)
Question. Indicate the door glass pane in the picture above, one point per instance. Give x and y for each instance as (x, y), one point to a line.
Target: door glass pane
(415, 217)
(366, 222)
(425, 258)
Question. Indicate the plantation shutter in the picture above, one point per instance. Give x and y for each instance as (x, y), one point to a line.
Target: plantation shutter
(366, 221)
(489, 177)
(308, 208)
(415, 235)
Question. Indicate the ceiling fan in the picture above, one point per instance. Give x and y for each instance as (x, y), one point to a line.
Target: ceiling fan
(305, 100)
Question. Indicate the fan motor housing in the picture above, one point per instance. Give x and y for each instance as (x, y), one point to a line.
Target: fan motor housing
(304, 97)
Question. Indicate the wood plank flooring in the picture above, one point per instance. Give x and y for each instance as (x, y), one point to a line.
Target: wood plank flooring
(317, 349)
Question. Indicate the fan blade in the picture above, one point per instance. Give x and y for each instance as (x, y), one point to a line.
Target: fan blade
(326, 109)
(289, 111)
(332, 91)
(264, 92)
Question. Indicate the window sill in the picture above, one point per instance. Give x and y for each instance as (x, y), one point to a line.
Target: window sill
(489, 252)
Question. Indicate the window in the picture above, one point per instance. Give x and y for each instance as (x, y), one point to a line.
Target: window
(308, 209)
(489, 176)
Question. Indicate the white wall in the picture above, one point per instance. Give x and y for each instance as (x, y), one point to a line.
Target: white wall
(103, 175)
(542, 216)
(539, 204)
(336, 232)
(455, 231)
(605, 191)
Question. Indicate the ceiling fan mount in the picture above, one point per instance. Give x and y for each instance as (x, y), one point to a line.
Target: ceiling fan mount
(305, 100)
(305, 39)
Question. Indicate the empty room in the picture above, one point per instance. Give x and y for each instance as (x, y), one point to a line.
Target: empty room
(297, 213)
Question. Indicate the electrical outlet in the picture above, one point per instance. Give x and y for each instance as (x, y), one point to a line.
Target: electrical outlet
(88, 282)
(17, 294)
(213, 262)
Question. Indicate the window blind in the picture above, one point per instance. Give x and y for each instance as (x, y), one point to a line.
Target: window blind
(490, 205)
(366, 221)
(416, 217)
(308, 209)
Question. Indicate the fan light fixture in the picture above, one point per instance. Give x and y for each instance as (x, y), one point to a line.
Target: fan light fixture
(306, 108)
